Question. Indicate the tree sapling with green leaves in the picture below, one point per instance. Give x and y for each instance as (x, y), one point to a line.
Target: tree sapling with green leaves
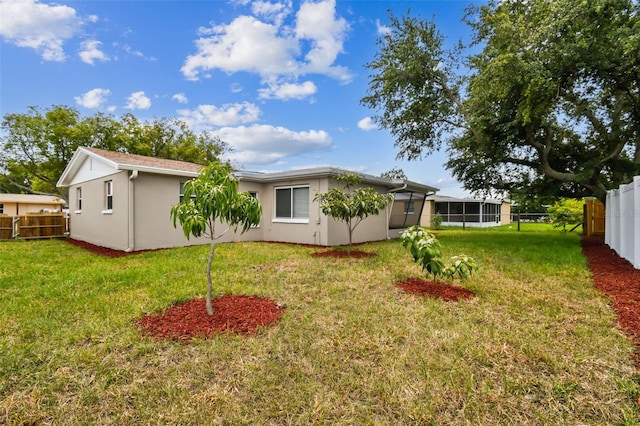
(352, 207)
(427, 251)
(567, 211)
(210, 197)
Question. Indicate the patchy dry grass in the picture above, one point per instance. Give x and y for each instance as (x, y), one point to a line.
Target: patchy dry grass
(538, 346)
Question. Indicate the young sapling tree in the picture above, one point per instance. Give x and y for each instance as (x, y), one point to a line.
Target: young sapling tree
(427, 252)
(213, 197)
(351, 207)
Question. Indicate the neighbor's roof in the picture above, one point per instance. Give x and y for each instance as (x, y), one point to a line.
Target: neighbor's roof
(321, 172)
(31, 199)
(444, 198)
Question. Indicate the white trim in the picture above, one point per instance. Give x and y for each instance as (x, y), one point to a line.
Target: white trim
(285, 220)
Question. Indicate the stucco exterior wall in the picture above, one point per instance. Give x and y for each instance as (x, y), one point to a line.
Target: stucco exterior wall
(373, 228)
(313, 231)
(93, 223)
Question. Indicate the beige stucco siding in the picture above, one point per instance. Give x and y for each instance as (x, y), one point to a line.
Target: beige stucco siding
(311, 231)
(372, 228)
(94, 223)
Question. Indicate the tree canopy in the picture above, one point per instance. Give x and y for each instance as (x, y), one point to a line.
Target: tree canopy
(37, 145)
(544, 100)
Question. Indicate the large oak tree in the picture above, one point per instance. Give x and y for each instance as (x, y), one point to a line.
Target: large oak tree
(544, 100)
(37, 145)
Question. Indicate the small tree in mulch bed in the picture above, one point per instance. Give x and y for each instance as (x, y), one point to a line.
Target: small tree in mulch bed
(426, 251)
(210, 197)
(351, 207)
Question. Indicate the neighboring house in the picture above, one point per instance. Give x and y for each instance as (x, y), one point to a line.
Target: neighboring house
(470, 212)
(122, 201)
(21, 204)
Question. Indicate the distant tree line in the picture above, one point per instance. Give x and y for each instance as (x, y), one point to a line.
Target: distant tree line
(38, 144)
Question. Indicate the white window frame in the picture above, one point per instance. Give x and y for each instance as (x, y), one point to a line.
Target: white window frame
(108, 197)
(78, 200)
(181, 191)
(289, 219)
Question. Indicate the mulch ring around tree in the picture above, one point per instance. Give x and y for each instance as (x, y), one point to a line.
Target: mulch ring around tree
(442, 291)
(355, 254)
(182, 322)
(619, 281)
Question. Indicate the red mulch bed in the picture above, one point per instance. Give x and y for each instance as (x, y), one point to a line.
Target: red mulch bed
(356, 254)
(235, 314)
(620, 281)
(102, 251)
(438, 290)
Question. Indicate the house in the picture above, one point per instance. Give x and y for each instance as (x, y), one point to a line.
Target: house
(470, 211)
(122, 201)
(21, 204)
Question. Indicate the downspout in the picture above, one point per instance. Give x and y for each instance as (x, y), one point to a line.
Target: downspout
(389, 210)
(131, 243)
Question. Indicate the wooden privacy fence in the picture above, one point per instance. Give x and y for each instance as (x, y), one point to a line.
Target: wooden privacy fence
(33, 225)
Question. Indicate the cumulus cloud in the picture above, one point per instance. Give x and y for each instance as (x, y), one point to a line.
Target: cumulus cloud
(288, 91)
(207, 117)
(367, 124)
(272, 12)
(262, 144)
(90, 52)
(42, 27)
(271, 49)
(317, 23)
(382, 29)
(138, 100)
(180, 98)
(93, 98)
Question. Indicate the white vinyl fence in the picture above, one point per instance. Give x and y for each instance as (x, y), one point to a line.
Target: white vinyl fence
(622, 226)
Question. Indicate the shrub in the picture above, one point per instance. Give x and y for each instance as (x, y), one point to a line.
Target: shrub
(427, 252)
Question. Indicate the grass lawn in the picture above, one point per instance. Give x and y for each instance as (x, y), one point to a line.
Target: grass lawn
(538, 346)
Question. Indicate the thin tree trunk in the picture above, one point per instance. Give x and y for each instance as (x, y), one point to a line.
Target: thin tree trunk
(212, 252)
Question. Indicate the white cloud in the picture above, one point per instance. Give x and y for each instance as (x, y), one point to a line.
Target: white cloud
(180, 98)
(246, 44)
(42, 27)
(367, 124)
(93, 98)
(271, 49)
(273, 12)
(317, 22)
(382, 29)
(288, 91)
(138, 100)
(207, 117)
(90, 52)
(264, 144)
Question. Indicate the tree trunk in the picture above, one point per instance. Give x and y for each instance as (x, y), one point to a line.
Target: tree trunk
(212, 251)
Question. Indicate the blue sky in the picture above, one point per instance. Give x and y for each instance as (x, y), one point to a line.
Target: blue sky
(281, 82)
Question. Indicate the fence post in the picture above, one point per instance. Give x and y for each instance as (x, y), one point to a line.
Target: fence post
(518, 222)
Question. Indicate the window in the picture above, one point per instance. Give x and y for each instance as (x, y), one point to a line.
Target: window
(1, 208)
(108, 191)
(409, 207)
(292, 203)
(78, 199)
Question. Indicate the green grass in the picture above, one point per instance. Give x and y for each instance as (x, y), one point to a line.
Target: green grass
(539, 345)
